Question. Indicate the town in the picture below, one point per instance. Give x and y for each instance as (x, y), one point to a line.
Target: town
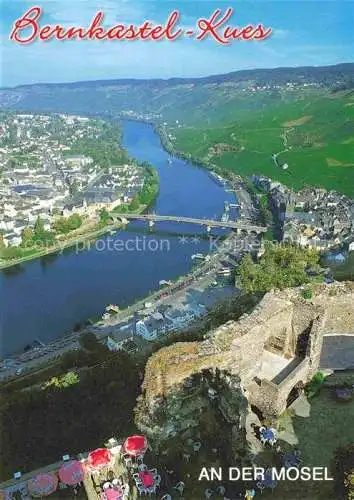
(45, 179)
(311, 217)
(226, 340)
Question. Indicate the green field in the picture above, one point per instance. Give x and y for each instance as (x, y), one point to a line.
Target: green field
(313, 134)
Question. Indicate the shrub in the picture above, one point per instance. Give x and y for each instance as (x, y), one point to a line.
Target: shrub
(280, 266)
(307, 294)
(88, 341)
(63, 381)
(315, 385)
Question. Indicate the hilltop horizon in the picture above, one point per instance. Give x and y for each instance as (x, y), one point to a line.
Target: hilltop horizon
(303, 34)
(185, 79)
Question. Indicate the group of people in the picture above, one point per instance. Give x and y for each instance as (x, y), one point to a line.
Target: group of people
(114, 487)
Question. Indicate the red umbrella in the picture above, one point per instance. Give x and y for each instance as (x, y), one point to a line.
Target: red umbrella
(42, 485)
(146, 478)
(135, 445)
(113, 494)
(99, 458)
(71, 472)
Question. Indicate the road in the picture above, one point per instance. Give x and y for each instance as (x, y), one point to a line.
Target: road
(34, 359)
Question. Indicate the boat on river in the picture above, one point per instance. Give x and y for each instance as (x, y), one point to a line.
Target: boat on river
(112, 308)
(198, 256)
(165, 283)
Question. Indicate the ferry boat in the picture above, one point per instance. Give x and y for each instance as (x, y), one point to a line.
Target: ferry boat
(197, 256)
(112, 308)
(165, 282)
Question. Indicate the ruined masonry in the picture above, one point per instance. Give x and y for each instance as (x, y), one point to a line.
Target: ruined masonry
(268, 356)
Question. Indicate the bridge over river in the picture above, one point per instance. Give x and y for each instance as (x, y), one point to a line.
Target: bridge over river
(209, 223)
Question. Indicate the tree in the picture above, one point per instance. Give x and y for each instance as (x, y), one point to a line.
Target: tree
(27, 237)
(307, 294)
(40, 235)
(11, 253)
(39, 227)
(280, 266)
(64, 225)
(74, 222)
(60, 225)
(134, 204)
(98, 396)
(88, 341)
(2, 242)
(104, 216)
(63, 381)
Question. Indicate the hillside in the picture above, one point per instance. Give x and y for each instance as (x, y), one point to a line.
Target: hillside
(236, 121)
(313, 133)
(213, 98)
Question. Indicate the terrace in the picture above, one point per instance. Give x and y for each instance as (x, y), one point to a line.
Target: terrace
(114, 472)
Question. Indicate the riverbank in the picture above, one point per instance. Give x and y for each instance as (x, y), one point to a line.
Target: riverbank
(47, 298)
(168, 146)
(34, 360)
(61, 245)
(152, 195)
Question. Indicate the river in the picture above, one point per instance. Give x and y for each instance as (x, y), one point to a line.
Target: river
(46, 297)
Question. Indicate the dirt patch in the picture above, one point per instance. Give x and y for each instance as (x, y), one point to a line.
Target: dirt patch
(332, 162)
(299, 121)
(221, 148)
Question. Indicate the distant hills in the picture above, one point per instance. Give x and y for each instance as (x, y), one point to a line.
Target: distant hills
(191, 100)
(303, 139)
(326, 74)
(236, 121)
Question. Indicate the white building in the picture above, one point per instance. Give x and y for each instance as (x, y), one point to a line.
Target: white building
(145, 331)
(180, 317)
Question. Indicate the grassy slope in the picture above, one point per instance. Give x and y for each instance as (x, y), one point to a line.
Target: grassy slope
(321, 146)
(329, 418)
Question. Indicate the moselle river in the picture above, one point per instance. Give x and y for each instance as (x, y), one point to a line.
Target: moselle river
(46, 297)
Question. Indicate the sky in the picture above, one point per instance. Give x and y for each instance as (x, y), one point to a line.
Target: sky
(305, 32)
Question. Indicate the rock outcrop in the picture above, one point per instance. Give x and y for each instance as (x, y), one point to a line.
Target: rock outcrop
(265, 356)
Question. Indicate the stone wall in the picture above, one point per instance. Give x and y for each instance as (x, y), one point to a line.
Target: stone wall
(238, 347)
(270, 398)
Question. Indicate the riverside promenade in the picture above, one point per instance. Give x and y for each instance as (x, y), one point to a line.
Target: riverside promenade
(36, 359)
